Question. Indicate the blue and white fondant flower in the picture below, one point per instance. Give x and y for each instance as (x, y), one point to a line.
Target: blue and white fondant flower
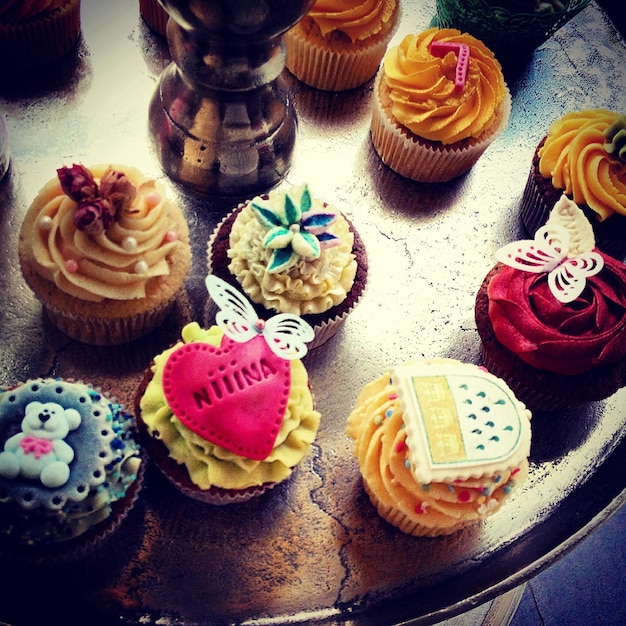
(294, 230)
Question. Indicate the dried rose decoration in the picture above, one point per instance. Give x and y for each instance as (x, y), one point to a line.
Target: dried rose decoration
(94, 216)
(77, 182)
(118, 190)
(98, 208)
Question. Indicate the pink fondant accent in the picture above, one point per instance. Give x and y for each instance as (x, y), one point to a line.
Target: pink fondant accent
(71, 265)
(441, 48)
(234, 396)
(401, 446)
(152, 198)
(171, 235)
(464, 496)
(36, 446)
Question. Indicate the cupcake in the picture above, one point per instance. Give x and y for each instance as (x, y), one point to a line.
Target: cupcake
(37, 33)
(292, 253)
(105, 252)
(513, 29)
(227, 413)
(70, 469)
(551, 315)
(154, 15)
(440, 445)
(584, 156)
(339, 45)
(440, 100)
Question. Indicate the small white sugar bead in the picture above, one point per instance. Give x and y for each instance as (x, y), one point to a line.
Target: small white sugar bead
(45, 222)
(129, 244)
(141, 267)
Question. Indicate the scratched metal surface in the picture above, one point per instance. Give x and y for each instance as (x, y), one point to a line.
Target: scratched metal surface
(313, 550)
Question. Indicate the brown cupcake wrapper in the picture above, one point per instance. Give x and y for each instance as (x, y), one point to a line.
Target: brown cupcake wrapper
(41, 40)
(421, 160)
(154, 15)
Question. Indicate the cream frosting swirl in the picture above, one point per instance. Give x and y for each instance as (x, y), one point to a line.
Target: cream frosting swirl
(308, 286)
(358, 19)
(574, 156)
(116, 263)
(422, 87)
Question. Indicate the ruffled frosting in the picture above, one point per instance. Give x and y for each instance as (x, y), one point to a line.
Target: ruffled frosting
(376, 424)
(576, 159)
(358, 19)
(116, 263)
(309, 285)
(422, 87)
(211, 465)
(564, 338)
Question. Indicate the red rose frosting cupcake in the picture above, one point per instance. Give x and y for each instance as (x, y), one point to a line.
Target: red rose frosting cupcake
(552, 315)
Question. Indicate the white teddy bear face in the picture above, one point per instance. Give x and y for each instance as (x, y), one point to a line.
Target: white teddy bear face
(39, 451)
(49, 420)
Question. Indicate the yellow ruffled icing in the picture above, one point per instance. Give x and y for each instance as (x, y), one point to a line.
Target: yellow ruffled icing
(358, 19)
(96, 267)
(377, 427)
(574, 157)
(211, 465)
(423, 93)
(309, 286)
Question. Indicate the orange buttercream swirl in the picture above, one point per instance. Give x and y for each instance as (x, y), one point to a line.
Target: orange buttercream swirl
(575, 157)
(422, 87)
(358, 19)
(116, 263)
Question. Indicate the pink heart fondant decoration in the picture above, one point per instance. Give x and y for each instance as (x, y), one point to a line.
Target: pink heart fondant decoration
(234, 396)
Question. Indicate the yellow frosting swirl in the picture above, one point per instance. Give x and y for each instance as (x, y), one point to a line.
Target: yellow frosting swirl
(309, 286)
(422, 88)
(575, 158)
(358, 19)
(114, 264)
(211, 465)
(377, 427)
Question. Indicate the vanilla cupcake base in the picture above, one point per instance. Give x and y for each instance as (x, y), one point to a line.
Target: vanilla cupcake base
(334, 63)
(419, 159)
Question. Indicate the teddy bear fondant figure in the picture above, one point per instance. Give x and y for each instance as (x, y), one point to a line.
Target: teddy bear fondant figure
(40, 451)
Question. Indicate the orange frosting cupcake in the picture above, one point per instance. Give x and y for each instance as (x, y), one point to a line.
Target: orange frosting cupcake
(440, 445)
(440, 101)
(339, 44)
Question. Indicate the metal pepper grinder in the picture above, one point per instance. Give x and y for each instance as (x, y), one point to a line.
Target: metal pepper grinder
(221, 119)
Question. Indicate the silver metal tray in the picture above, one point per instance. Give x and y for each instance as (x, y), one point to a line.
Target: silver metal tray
(313, 550)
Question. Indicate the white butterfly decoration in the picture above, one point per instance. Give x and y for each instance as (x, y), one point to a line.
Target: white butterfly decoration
(549, 252)
(285, 334)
